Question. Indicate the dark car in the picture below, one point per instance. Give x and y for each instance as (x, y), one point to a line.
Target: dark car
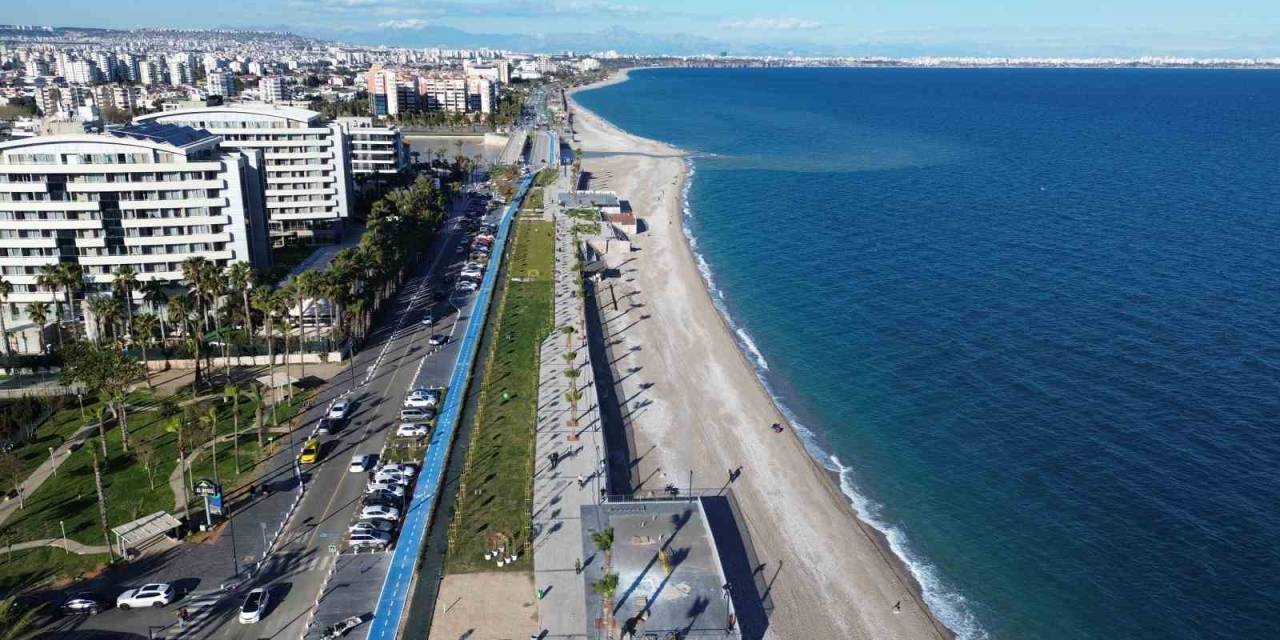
(326, 426)
(83, 603)
(438, 339)
(385, 498)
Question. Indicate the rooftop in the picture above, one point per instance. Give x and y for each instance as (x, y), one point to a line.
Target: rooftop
(176, 135)
(670, 577)
(259, 108)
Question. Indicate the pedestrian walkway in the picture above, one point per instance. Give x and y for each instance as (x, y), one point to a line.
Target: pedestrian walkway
(570, 449)
(69, 545)
(44, 472)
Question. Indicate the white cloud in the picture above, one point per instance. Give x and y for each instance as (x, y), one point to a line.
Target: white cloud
(773, 24)
(407, 23)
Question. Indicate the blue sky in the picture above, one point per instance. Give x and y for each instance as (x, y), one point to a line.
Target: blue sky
(974, 27)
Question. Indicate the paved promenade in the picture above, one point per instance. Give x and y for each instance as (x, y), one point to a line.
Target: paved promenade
(570, 449)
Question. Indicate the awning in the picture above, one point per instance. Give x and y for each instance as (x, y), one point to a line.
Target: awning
(144, 529)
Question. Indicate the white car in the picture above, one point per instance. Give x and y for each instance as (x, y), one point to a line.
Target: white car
(369, 539)
(385, 488)
(148, 595)
(420, 402)
(255, 604)
(380, 512)
(381, 526)
(339, 409)
(471, 274)
(360, 463)
(428, 320)
(392, 477)
(466, 286)
(412, 430)
(404, 468)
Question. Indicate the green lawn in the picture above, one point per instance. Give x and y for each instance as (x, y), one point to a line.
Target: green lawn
(534, 201)
(31, 566)
(496, 487)
(546, 177)
(52, 433)
(284, 259)
(70, 498)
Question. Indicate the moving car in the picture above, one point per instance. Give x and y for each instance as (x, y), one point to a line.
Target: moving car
(379, 511)
(417, 415)
(438, 339)
(325, 427)
(339, 409)
(369, 539)
(412, 430)
(428, 320)
(373, 524)
(83, 603)
(360, 463)
(157, 594)
(310, 452)
(255, 604)
(392, 488)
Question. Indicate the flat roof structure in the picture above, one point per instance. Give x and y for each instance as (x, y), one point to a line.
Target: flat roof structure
(671, 581)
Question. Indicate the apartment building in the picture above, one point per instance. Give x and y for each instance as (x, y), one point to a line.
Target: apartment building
(307, 162)
(375, 149)
(148, 196)
(218, 83)
(271, 89)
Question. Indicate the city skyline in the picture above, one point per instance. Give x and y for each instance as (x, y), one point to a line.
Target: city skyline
(1244, 28)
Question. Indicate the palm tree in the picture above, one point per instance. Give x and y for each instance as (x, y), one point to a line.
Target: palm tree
(568, 332)
(603, 540)
(180, 307)
(304, 285)
(233, 392)
(16, 624)
(100, 413)
(259, 408)
(38, 312)
(156, 295)
(606, 586)
(145, 326)
(50, 278)
(71, 277)
(573, 396)
(177, 425)
(241, 277)
(123, 282)
(118, 399)
(6, 289)
(211, 418)
(264, 301)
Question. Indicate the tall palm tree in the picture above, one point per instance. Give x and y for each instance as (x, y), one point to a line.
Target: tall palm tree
(241, 277)
(180, 307)
(259, 408)
(71, 277)
(118, 399)
(232, 391)
(297, 289)
(145, 327)
(99, 309)
(211, 418)
(156, 294)
(38, 312)
(50, 279)
(124, 281)
(215, 286)
(177, 425)
(264, 301)
(100, 414)
(6, 290)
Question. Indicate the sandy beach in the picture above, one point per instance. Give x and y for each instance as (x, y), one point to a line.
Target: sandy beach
(695, 403)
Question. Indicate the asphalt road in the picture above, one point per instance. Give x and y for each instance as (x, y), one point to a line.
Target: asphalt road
(396, 354)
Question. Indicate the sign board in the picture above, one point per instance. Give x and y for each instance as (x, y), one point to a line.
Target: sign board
(215, 504)
(333, 548)
(206, 488)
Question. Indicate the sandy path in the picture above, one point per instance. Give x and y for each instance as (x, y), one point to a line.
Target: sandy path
(707, 412)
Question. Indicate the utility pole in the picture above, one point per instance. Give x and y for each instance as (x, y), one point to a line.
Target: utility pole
(102, 507)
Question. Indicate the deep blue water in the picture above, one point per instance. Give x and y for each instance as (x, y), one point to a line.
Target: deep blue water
(1035, 313)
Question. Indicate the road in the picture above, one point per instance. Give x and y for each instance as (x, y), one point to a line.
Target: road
(397, 353)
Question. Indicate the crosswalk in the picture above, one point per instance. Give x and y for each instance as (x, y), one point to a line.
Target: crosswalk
(200, 604)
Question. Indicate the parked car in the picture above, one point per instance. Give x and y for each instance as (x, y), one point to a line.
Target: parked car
(438, 339)
(430, 393)
(156, 594)
(83, 603)
(379, 511)
(394, 477)
(339, 410)
(255, 604)
(412, 430)
(310, 452)
(467, 286)
(406, 468)
(360, 463)
(392, 488)
(416, 415)
(384, 498)
(373, 524)
(419, 402)
(369, 539)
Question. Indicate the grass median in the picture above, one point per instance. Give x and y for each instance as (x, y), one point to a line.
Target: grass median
(496, 491)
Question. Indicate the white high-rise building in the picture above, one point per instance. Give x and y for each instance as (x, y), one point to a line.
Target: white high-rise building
(220, 83)
(81, 72)
(36, 67)
(272, 89)
(375, 149)
(308, 162)
(147, 196)
(150, 73)
(182, 69)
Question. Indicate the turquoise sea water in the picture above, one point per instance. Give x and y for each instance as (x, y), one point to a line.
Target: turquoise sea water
(1033, 315)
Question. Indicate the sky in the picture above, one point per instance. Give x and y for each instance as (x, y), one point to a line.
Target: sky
(913, 27)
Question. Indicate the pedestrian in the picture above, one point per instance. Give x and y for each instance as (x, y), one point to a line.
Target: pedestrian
(577, 566)
(897, 607)
(581, 481)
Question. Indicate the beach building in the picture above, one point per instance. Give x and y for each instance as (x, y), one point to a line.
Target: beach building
(308, 163)
(375, 149)
(146, 196)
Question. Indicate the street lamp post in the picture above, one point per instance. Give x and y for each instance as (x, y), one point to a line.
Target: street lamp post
(53, 464)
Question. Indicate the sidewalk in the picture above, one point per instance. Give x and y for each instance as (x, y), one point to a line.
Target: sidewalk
(561, 486)
(44, 472)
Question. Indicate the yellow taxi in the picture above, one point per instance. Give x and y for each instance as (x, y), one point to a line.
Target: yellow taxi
(310, 452)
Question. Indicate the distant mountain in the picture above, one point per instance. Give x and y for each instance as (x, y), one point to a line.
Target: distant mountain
(616, 38)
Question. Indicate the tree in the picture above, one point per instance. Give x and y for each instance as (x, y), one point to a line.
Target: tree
(603, 540)
(50, 278)
(606, 586)
(568, 332)
(210, 419)
(145, 452)
(259, 408)
(38, 312)
(232, 391)
(156, 296)
(100, 370)
(102, 508)
(178, 426)
(118, 399)
(145, 327)
(264, 302)
(11, 468)
(100, 414)
(123, 282)
(15, 623)
(6, 289)
(241, 277)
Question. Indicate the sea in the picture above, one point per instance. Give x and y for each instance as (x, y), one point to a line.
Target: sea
(1030, 316)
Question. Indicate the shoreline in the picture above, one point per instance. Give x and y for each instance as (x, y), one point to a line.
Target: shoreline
(875, 547)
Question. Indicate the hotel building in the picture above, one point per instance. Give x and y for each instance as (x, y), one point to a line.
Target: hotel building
(375, 149)
(308, 162)
(148, 196)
